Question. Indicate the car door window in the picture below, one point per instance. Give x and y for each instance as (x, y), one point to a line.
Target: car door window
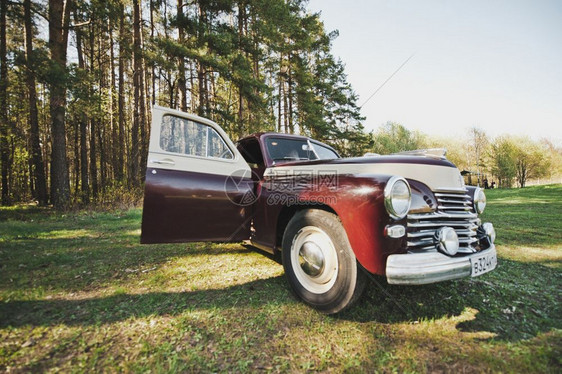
(216, 146)
(180, 135)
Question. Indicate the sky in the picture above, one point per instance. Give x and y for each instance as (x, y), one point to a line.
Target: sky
(495, 64)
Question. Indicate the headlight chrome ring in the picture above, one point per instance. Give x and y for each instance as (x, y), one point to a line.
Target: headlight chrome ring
(479, 200)
(397, 197)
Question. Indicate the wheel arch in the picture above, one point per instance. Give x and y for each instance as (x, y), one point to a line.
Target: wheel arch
(288, 212)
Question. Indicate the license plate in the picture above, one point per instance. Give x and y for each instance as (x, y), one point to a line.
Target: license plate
(483, 264)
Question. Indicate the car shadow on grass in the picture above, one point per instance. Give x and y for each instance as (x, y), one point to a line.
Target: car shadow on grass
(516, 301)
(512, 309)
(85, 263)
(122, 306)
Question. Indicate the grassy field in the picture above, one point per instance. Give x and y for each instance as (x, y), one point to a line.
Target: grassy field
(79, 293)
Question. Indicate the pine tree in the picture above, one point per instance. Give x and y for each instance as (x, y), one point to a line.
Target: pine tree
(59, 19)
(4, 151)
(36, 155)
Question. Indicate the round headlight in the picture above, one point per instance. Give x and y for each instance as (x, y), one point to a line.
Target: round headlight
(397, 197)
(448, 241)
(479, 200)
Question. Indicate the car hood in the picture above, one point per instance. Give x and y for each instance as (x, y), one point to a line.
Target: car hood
(436, 173)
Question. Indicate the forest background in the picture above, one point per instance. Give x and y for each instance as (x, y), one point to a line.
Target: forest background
(78, 78)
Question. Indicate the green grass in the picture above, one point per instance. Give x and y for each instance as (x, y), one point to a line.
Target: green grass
(78, 293)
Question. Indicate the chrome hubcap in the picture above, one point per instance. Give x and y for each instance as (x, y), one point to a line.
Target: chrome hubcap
(311, 259)
(314, 259)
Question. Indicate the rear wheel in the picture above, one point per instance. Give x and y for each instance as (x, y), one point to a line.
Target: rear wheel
(319, 263)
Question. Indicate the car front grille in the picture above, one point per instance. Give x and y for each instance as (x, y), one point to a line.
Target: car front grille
(454, 210)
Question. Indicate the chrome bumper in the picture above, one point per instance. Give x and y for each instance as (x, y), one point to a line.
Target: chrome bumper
(424, 268)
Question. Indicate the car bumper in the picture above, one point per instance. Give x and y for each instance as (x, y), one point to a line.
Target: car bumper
(424, 268)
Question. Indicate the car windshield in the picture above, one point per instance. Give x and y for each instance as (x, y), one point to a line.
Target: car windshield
(283, 149)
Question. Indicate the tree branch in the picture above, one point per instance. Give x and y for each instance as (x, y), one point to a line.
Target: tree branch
(76, 25)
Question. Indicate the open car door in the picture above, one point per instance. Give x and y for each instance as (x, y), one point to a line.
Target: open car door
(198, 186)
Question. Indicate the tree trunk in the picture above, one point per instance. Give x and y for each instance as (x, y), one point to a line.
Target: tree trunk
(113, 104)
(84, 183)
(202, 110)
(212, 97)
(76, 128)
(119, 173)
(279, 102)
(4, 145)
(93, 124)
(100, 126)
(191, 85)
(59, 16)
(181, 60)
(83, 128)
(153, 70)
(290, 97)
(285, 108)
(36, 156)
(138, 88)
(145, 131)
(103, 157)
(93, 163)
(241, 21)
(201, 82)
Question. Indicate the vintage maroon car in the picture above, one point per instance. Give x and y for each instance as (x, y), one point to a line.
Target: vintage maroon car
(408, 217)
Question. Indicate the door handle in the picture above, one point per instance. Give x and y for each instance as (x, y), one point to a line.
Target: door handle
(163, 162)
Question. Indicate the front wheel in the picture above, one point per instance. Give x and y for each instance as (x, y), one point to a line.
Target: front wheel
(319, 263)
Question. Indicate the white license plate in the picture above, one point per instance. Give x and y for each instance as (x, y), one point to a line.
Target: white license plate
(483, 264)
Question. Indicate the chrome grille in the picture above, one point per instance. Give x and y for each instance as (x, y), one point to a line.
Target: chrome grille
(454, 210)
